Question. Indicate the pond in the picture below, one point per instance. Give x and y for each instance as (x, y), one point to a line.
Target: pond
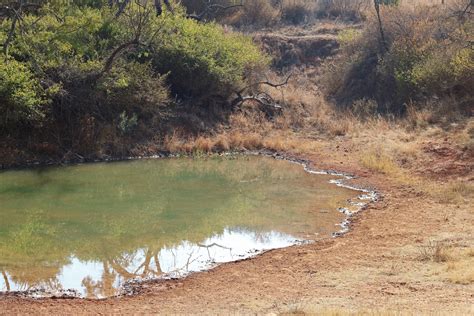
(87, 230)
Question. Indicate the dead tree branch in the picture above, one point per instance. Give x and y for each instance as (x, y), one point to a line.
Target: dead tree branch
(264, 100)
(212, 8)
(268, 83)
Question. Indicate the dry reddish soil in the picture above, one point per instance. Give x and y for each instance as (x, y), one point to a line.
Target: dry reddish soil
(374, 267)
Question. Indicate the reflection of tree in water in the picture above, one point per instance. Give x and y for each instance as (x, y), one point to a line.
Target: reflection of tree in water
(104, 213)
(118, 267)
(144, 270)
(26, 278)
(34, 254)
(104, 287)
(5, 279)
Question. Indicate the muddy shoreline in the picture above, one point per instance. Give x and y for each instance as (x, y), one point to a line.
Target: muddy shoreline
(133, 286)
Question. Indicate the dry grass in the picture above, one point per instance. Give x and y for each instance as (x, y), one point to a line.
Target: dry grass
(347, 9)
(264, 13)
(297, 11)
(255, 13)
(238, 140)
(458, 265)
(252, 141)
(420, 3)
(449, 261)
(461, 270)
(453, 192)
(435, 251)
(302, 309)
(377, 160)
(465, 139)
(202, 144)
(172, 143)
(222, 144)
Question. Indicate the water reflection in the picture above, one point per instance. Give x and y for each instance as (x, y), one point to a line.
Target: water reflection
(91, 228)
(98, 279)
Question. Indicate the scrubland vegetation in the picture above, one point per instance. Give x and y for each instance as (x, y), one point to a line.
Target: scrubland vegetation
(92, 80)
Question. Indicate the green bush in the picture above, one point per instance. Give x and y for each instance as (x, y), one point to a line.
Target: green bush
(66, 36)
(21, 96)
(202, 60)
(134, 87)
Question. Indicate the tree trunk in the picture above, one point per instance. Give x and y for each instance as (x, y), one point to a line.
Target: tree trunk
(11, 33)
(382, 33)
(110, 61)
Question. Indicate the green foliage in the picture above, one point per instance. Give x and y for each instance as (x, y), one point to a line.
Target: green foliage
(127, 124)
(65, 67)
(202, 60)
(135, 87)
(348, 36)
(443, 71)
(21, 96)
(71, 35)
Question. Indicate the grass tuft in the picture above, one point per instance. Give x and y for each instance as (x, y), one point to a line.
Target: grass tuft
(434, 251)
(378, 161)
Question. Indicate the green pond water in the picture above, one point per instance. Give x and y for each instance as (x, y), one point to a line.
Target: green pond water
(89, 229)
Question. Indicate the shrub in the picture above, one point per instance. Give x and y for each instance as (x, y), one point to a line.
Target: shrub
(127, 124)
(193, 6)
(426, 57)
(255, 13)
(81, 38)
(135, 87)
(353, 10)
(21, 95)
(202, 61)
(296, 12)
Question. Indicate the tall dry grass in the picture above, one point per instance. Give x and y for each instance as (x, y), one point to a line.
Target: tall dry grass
(264, 13)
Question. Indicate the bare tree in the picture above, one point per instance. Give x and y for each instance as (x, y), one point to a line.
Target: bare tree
(212, 9)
